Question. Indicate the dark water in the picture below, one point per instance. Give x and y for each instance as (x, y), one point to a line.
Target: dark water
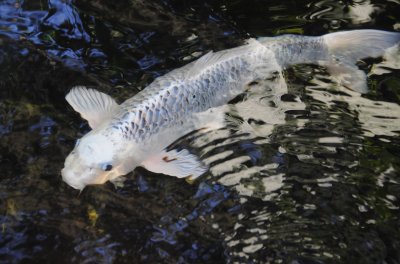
(311, 178)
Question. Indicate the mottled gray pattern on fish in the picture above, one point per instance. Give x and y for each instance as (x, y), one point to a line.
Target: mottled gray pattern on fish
(296, 49)
(174, 97)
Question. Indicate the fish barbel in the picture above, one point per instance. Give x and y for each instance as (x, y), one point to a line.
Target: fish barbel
(138, 131)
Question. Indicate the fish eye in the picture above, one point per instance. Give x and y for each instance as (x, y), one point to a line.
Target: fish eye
(106, 167)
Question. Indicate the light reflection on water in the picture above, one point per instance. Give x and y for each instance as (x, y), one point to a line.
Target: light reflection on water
(305, 171)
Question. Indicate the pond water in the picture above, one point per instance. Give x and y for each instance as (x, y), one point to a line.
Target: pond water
(305, 173)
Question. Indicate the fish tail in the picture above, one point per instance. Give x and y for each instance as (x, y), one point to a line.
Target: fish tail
(338, 52)
(346, 48)
(357, 44)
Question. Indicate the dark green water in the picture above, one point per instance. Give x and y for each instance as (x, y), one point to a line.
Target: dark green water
(315, 179)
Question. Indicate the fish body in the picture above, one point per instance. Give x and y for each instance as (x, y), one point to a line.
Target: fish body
(138, 131)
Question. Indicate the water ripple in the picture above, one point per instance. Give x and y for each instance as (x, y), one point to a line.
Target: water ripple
(305, 170)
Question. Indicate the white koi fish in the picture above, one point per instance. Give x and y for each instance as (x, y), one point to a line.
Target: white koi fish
(138, 131)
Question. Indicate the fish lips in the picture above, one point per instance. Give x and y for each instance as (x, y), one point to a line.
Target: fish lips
(71, 179)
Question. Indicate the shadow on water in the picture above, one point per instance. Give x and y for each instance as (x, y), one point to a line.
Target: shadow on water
(304, 173)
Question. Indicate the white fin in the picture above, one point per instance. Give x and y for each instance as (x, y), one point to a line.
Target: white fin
(347, 47)
(179, 164)
(358, 44)
(94, 106)
(212, 58)
(202, 63)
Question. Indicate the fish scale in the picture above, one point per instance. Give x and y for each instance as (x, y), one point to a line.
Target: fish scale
(297, 49)
(169, 101)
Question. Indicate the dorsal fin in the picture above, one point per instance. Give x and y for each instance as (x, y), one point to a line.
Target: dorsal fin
(212, 58)
(94, 106)
(201, 63)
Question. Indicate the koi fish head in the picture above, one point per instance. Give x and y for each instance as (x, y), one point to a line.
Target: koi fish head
(104, 154)
(94, 160)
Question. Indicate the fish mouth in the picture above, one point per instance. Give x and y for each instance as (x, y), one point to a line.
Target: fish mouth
(68, 180)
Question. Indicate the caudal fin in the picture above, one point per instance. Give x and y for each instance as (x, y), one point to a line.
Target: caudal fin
(338, 52)
(358, 44)
(346, 48)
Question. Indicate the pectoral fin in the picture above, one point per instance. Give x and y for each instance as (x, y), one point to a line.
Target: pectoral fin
(176, 163)
(94, 106)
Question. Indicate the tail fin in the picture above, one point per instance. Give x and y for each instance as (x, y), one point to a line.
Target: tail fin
(349, 46)
(338, 52)
(357, 44)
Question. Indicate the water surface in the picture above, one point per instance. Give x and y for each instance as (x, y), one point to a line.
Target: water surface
(306, 171)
